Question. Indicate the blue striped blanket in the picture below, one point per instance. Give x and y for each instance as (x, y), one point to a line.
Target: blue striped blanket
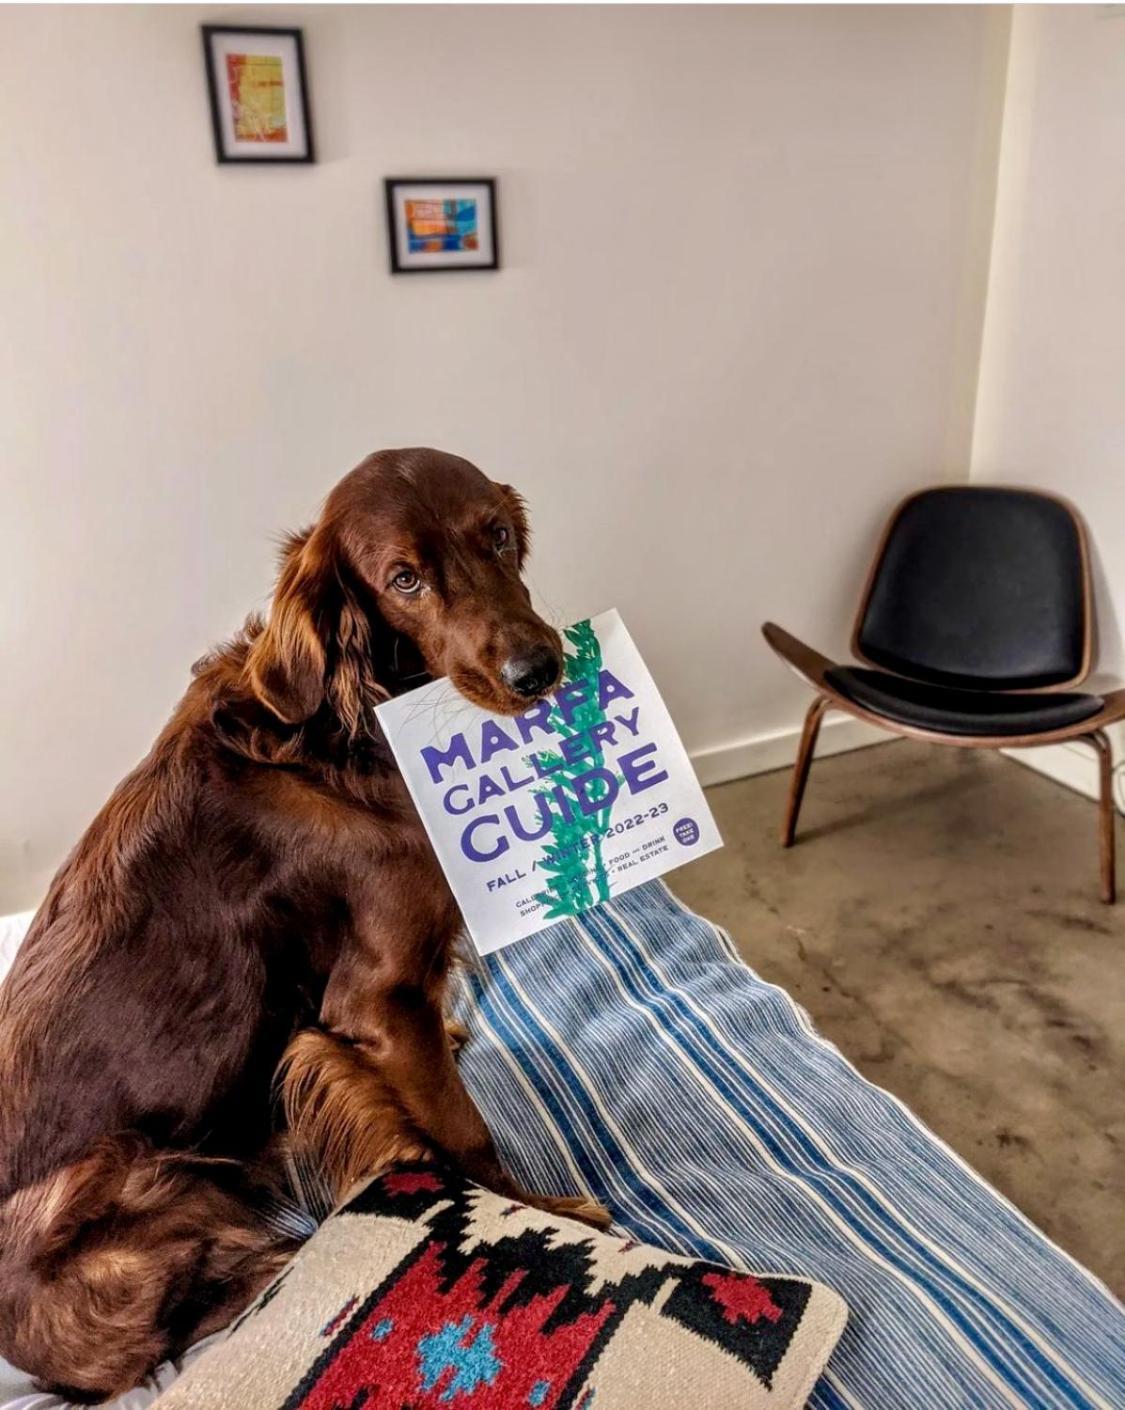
(630, 1053)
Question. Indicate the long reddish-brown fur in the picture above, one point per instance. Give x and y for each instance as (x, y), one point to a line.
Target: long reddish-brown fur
(257, 898)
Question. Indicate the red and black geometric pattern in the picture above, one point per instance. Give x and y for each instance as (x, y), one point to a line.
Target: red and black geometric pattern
(518, 1319)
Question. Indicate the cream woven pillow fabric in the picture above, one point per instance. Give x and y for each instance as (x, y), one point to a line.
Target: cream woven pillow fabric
(425, 1292)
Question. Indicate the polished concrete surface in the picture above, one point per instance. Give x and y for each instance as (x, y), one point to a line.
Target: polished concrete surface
(939, 919)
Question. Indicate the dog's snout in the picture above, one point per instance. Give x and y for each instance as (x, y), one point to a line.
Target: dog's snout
(531, 672)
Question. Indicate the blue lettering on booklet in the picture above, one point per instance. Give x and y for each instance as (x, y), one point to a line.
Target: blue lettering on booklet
(475, 772)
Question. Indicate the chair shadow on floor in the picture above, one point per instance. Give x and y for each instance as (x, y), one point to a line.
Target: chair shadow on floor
(881, 808)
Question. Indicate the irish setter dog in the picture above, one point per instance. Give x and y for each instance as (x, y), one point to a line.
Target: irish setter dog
(257, 904)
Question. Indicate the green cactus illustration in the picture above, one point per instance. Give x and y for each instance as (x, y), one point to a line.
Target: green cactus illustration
(572, 860)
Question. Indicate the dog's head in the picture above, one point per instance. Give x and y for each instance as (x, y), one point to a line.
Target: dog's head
(417, 554)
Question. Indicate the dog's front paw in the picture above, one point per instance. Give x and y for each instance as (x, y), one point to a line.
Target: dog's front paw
(457, 1034)
(581, 1207)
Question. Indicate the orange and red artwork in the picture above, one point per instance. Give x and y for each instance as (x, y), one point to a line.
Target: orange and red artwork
(256, 84)
(441, 227)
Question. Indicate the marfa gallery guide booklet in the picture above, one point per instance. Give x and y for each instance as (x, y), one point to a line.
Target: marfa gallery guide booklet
(539, 816)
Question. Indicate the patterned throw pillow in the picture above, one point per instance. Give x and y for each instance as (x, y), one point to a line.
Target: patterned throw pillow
(427, 1291)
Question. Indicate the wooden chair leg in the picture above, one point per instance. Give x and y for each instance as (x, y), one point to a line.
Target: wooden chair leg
(1106, 848)
(801, 769)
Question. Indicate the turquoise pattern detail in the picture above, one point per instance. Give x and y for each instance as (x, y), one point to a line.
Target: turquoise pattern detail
(473, 1363)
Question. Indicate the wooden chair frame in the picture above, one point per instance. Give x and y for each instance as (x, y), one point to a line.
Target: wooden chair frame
(813, 668)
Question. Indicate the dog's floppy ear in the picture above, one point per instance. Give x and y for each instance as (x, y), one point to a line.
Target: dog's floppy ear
(287, 663)
(517, 509)
(361, 671)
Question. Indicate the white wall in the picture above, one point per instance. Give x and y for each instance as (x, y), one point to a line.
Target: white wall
(1051, 402)
(745, 253)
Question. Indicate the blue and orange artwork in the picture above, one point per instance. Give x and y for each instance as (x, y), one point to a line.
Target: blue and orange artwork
(441, 227)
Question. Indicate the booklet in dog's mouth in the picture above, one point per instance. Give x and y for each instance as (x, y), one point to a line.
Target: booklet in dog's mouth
(539, 816)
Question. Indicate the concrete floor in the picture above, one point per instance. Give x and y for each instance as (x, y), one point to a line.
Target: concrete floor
(939, 919)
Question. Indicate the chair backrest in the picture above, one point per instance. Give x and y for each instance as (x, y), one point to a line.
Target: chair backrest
(981, 587)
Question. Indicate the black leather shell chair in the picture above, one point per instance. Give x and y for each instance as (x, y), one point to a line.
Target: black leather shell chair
(976, 624)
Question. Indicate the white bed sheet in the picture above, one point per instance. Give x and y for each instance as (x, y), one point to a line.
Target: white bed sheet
(12, 931)
(17, 1392)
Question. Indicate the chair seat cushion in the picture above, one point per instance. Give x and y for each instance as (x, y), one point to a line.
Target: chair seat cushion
(954, 711)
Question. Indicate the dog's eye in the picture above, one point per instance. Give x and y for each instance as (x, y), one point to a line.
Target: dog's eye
(406, 580)
(501, 537)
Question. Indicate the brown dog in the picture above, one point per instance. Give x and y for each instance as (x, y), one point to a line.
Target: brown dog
(258, 897)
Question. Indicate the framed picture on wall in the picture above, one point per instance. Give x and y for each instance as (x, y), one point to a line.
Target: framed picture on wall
(259, 94)
(442, 223)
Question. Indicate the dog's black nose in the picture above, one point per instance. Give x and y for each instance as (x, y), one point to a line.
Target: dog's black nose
(532, 672)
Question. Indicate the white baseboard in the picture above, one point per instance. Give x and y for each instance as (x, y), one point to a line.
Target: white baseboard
(763, 752)
(1074, 765)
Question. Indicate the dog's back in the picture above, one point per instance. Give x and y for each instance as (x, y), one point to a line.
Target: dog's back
(140, 1028)
(134, 1003)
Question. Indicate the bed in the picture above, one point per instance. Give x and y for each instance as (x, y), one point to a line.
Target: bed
(631, 1053)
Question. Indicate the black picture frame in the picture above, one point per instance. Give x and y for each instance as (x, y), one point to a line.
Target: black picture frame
(222, 154)
(398, 260)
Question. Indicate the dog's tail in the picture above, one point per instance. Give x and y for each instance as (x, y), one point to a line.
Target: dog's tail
(122, 1259)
